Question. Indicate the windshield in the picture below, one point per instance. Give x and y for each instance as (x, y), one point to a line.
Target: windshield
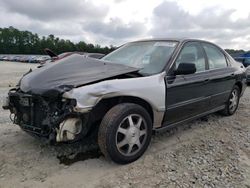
(149, 56)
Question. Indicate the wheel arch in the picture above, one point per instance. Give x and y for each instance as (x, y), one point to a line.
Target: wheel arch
(104, 105)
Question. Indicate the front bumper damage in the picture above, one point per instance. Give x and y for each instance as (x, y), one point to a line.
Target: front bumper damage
(54, 119)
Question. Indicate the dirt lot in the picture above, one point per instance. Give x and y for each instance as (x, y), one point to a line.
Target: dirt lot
(211, 152)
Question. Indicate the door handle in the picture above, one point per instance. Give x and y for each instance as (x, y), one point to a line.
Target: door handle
(206, 80)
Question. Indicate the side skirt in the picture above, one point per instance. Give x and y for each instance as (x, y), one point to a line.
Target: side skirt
(170, 126)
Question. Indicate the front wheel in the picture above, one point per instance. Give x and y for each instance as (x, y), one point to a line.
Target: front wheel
(233, 102)
(125, 133)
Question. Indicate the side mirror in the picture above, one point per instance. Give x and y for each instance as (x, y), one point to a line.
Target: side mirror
(185, 68)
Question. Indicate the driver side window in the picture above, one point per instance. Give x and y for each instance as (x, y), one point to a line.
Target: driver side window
(192, 53)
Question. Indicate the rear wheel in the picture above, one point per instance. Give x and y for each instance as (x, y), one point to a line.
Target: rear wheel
(125, 133)
(233, 102)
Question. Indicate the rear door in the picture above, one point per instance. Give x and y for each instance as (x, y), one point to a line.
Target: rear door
(221, 75)
(187, 94)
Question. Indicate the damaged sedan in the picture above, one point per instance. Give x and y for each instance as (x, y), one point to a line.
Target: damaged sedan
(141, 87)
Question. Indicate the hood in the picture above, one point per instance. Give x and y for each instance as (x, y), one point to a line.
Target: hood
(70, 72)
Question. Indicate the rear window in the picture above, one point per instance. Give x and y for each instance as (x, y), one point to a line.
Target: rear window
(216, 58)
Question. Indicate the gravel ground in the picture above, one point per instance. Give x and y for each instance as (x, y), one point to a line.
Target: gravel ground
(210, 152)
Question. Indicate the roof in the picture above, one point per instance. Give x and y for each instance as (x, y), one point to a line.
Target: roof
(180, 40)
(171, 39)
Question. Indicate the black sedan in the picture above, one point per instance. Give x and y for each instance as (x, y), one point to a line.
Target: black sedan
(143, 86)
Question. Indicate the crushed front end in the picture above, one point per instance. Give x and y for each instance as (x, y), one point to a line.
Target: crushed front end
(56, 101)
(53, 118)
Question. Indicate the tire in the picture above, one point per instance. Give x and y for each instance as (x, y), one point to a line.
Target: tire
(125, 133)
(230, 108)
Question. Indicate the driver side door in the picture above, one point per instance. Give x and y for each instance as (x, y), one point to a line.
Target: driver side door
(187, 95)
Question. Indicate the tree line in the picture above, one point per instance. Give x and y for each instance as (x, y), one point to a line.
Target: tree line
(236, 53)
(14, 41)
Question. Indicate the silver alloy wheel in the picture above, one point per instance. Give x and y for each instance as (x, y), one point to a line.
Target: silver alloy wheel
(131, 134)
(233, 101)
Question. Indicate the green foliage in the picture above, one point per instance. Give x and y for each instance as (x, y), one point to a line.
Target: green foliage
(232, 51)
(14, 41)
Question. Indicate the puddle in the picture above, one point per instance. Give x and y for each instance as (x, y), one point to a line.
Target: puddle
(81, 156)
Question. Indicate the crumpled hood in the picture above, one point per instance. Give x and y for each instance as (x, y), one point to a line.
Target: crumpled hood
(73, 71)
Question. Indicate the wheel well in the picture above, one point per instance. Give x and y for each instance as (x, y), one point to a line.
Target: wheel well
(239, 84)
(106, 104)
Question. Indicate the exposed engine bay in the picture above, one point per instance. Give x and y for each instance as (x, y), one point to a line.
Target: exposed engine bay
(54, 119)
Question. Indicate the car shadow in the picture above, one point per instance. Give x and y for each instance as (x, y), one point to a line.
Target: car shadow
(69, 154)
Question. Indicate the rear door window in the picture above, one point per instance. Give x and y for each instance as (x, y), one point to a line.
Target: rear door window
(216, 59)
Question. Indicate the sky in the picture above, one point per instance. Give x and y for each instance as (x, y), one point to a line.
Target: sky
(114, 22)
